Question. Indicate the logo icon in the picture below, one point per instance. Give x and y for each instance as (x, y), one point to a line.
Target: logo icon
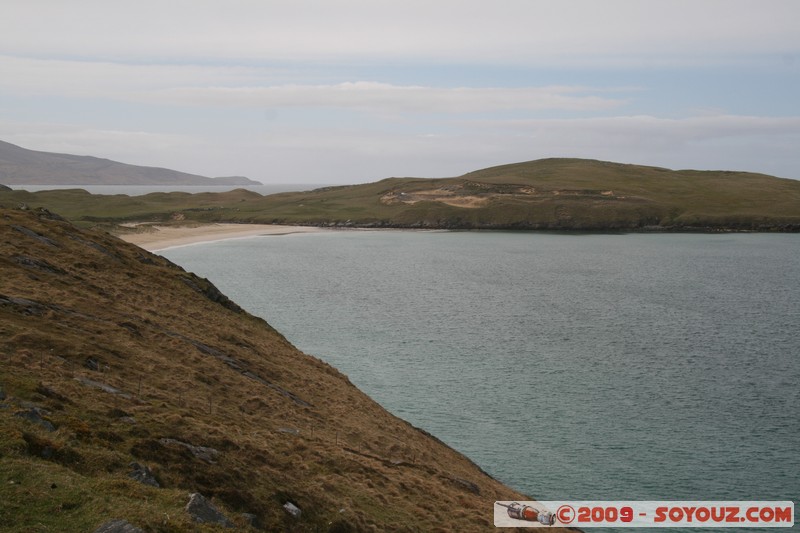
(517, 511)
(565, 514)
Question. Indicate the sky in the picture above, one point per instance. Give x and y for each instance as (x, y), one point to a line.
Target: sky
(353, 91)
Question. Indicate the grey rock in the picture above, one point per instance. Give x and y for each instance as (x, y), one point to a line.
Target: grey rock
(46, 214)
(466, 485)
(203, 511)
(118, 526)
(253, 520)
(292, 509)
(240, 366)
(34, 415)
(48, 392)
(201, 452)
(37, 264)
(207, 289)
(34, 235)
(102, 386)
(24, 306)
(143, 474)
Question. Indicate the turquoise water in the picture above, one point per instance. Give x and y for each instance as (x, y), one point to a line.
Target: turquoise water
(591, 367)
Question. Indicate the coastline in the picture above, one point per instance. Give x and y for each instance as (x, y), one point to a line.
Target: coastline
(163, 237)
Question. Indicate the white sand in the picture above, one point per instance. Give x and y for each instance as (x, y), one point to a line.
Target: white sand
(171, 236)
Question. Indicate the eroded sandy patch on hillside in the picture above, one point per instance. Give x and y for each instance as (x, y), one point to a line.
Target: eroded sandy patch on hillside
(445, 196)
(474, 195)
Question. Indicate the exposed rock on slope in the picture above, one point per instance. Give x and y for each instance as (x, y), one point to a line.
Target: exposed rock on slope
(131, 359)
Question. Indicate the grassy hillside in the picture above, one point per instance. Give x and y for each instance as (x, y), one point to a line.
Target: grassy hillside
(555, 194)
(110, 355)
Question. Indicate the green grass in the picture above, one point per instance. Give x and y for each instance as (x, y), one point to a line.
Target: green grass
(567, 194)
(39, 495)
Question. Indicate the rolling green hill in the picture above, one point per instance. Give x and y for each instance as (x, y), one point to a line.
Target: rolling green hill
(127, 383)
(549, 194)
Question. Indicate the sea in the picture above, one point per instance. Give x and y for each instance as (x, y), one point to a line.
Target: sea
(570, 367)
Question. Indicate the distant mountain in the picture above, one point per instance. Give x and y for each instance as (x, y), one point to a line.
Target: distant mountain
(20, 166)
(234, 180)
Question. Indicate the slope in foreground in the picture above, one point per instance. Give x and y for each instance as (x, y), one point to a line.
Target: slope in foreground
(110, 356)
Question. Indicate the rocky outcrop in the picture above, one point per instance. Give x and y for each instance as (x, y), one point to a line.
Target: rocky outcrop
(204, 453)
(207, 289)
(143, 474)
(36, 415)
(102, 386)
(293, 510)
(204, 512)
(118, 526)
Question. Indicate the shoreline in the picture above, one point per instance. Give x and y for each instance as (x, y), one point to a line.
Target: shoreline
(163, 237)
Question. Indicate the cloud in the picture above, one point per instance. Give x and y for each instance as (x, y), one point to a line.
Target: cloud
(217, 86)
(728, 142)
(354, 155)
(758, 144)
(91, 79)
(522, 32)
(353, 90)
(384, 97)
(648, 128)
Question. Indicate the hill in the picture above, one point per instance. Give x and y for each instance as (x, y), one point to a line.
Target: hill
(556, 194)
(548, 194)
(20, 166)
(127, 383)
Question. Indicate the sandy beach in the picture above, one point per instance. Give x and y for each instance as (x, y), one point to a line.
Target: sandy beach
(162, 237)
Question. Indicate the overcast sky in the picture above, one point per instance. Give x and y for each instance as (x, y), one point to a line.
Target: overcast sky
(350, 91)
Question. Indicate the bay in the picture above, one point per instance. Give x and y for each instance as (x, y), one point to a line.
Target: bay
(602, 367)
